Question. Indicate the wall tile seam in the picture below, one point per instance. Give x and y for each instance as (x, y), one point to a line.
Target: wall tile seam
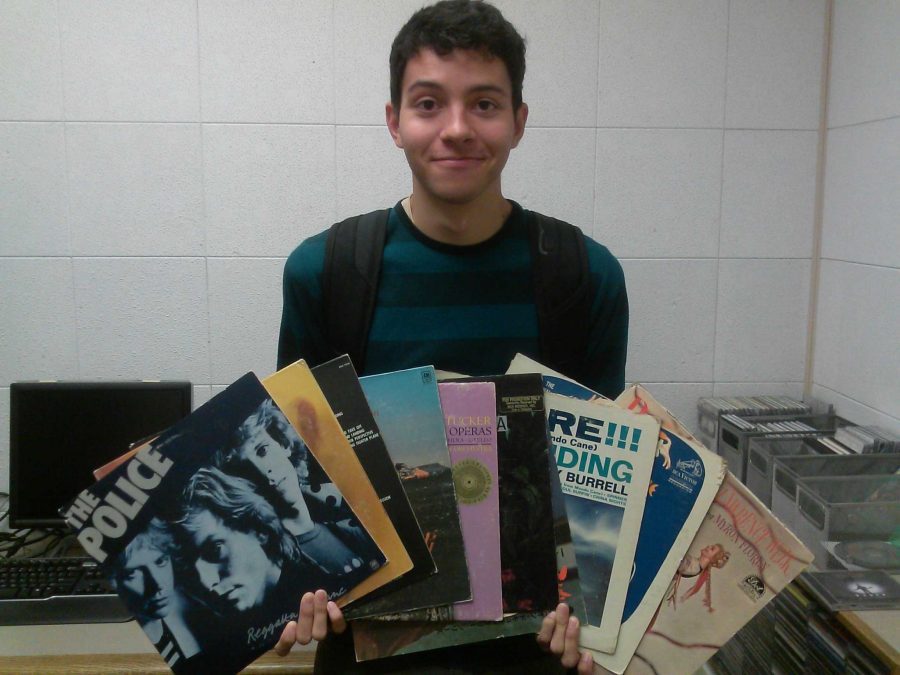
(865, 122)
(346, 125)
(117, 257)
(856, 401)
(711, 258)
(719, 220)
(728, 381)
(861, 263)
(200, 87)
(815, 271)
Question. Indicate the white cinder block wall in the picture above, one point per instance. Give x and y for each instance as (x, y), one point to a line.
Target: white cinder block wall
(857, 347)
(160, 158)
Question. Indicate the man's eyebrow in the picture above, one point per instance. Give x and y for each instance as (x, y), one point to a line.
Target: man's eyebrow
(477, 89)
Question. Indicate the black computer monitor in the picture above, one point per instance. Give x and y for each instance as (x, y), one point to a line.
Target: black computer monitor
(61, 431)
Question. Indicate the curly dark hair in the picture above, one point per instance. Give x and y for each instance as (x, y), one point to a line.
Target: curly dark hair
(459, 24)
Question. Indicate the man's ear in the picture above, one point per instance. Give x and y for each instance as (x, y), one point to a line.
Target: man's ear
(392, 117)
(521, 116)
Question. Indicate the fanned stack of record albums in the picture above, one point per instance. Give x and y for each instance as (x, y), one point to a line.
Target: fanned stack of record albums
(435, 510)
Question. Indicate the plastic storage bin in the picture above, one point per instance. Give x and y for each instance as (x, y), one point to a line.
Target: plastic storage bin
(759, 460)
(846, 509)
(735, 433)
(787, 471)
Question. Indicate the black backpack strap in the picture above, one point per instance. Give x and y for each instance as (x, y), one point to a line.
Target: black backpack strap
(562, 292)
(350, 282)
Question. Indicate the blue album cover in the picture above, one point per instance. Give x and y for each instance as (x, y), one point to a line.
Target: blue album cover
(407, 410)
(675, 483)
(207, 537)
(566, 387)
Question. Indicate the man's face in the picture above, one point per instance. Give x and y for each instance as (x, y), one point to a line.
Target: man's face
(147, 582)
(232, 564)
(456, 124)
(273, 464)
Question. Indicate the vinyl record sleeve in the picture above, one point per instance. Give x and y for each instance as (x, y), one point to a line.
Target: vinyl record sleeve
(407, 410)
(379, 639)
(527, 544)
(604, 456)
(210, 559)
(297, 393)
(741, 557)
(340, 384)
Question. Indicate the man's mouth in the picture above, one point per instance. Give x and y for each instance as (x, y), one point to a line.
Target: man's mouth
(230, 595)
(458, 161)
(157, 602)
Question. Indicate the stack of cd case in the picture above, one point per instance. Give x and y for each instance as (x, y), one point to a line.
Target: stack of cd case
(792, 608)
(736, 431)
(710, 408)
(866, 440)
(751, 648)
(810, 638)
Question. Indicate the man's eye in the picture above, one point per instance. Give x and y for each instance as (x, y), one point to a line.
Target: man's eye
(261, 450)
(426, 104)
(213, 551)
(486, 105)
(161, 561)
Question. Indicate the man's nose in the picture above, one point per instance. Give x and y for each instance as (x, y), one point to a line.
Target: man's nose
(208, 573)
(457, 127)
(151, 582)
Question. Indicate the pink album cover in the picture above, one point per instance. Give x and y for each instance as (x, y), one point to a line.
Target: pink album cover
(470, 420)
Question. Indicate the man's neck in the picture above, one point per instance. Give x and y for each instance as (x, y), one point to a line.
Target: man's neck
(300, 522)
(459, 224)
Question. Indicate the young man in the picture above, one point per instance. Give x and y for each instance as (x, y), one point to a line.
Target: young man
(456, 288)
(144, 575)
(261, 450)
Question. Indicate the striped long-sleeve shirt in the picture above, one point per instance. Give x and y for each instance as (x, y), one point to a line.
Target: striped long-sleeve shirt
(466, 309)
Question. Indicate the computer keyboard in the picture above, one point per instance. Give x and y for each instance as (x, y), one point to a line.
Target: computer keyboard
(56, 590)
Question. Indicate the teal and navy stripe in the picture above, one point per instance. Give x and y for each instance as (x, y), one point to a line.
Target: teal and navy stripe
(466, 309)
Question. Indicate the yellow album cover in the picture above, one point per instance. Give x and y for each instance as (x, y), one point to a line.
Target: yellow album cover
(296, 392)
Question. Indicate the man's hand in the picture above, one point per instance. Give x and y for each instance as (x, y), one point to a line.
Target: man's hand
(316, 613)
(559, 635)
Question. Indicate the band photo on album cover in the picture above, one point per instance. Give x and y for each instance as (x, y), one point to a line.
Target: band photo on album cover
(212, 532)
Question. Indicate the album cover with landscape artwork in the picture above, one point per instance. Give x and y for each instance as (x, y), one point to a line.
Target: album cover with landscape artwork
(407, 410)
(341, 387)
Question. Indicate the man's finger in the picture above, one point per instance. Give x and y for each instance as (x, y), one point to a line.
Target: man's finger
(305, 619)
(287, 639)
(586, 664)
(336, 616)
(320, 615)
(571, 655)
(546, 631)
(558, 640)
